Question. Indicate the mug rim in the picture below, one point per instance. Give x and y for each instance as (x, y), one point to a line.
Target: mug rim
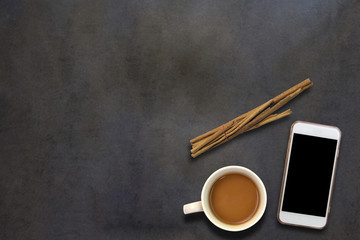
(205, 198)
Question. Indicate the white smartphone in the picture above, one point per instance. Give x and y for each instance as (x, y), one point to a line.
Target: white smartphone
(309, 173)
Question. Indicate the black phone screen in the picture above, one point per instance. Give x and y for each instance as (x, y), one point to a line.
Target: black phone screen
(309, 175)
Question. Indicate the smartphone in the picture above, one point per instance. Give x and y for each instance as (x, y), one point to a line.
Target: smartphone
(309, 173)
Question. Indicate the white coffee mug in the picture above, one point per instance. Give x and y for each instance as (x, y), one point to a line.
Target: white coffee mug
(204, 204)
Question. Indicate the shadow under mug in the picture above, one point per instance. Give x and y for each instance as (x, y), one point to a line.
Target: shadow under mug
(204, 204)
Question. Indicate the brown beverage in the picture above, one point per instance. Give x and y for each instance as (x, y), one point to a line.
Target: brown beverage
(234, 198)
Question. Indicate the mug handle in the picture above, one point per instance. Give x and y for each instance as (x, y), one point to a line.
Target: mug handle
(193, 207)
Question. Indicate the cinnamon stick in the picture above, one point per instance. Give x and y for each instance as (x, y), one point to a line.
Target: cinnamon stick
(253, 119)
(221, 131)
(221, 139)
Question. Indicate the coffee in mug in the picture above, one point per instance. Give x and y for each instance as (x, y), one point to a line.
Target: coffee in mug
(233, 198)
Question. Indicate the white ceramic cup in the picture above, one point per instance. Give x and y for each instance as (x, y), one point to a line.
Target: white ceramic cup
(204, 204)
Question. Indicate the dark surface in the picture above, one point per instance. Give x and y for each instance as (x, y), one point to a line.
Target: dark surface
(98, 100)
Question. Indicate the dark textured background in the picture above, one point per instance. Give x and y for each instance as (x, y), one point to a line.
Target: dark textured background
(98, 100)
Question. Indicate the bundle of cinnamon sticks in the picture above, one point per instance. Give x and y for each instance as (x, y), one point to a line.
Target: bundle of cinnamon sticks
(255, 118)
